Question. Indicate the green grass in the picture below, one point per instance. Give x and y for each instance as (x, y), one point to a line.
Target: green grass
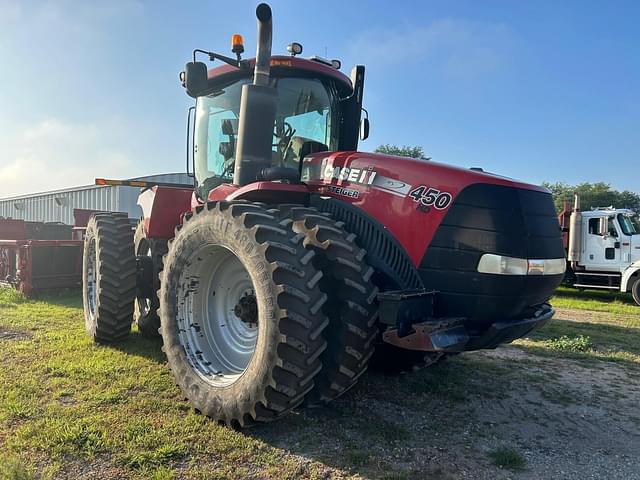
(65, 400)
(565, 343)
(508, 458)
(595, 300)
(10, 297)
(13, 468)
(67, 403)
(612, 339)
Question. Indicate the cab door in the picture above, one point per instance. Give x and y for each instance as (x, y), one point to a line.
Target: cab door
(629, 240)
(602, 249)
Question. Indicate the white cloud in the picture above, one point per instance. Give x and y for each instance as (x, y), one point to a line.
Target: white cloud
(54, 154)
(460, 48)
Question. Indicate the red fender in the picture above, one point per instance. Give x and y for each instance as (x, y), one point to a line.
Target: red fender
(162, 209)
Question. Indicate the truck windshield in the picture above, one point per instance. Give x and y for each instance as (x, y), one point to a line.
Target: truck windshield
(629, 224)
(306, 112)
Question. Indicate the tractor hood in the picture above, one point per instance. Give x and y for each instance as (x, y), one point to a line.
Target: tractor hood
(446, 219)
(400, 188)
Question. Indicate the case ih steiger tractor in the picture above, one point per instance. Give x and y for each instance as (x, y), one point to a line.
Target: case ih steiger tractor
(296, 260)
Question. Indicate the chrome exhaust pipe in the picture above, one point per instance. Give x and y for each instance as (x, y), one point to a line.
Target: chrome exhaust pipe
(574, 249)
(257, 110)
(262, 69)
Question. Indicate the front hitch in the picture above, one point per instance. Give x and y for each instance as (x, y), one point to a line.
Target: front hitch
(451, 335)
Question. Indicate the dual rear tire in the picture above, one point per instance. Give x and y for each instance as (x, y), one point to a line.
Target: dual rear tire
(108, 277)
(149, 253)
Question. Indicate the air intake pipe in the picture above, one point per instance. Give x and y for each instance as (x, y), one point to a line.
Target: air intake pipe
(257, 110)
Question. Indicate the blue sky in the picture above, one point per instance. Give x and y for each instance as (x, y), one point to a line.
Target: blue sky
(533, 90)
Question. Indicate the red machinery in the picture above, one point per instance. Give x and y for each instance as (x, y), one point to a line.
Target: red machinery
(296, 259)
(38, 256)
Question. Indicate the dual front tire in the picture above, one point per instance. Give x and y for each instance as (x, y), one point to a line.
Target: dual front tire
(263, 308)
(242, 313)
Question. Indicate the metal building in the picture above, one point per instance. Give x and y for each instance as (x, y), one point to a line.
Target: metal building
(58, 205)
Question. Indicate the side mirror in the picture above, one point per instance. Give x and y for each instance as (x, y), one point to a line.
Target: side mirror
(194, 78)
(603, 226)
(364, 128)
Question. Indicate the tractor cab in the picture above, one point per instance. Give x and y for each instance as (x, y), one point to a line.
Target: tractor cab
(304, 106)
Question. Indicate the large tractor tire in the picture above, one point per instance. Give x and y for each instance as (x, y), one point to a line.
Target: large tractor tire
(241, 313)
(149, 255)
(351, 308)
(108, 277)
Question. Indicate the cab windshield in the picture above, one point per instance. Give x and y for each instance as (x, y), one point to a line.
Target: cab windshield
(306, 112)
(629, 224)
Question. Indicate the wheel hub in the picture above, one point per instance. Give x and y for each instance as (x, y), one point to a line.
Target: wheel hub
(247, 309)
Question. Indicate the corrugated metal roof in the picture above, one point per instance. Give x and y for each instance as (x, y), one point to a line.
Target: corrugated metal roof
(180, 178)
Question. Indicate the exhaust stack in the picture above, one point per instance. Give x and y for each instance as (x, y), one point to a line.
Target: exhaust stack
(262, 69)
(257, 109)
(575, 233)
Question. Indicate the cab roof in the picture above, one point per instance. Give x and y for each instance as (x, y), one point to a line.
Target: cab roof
(282, 65)
(604, 211)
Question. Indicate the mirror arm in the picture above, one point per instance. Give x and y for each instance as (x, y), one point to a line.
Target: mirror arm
(238, 63)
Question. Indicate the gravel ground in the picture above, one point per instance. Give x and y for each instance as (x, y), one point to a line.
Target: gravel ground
(569, 419)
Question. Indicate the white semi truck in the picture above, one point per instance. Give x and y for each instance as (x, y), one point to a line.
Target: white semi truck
(603, 248)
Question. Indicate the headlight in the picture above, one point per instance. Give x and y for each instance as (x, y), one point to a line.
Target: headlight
(548, 266)
(503, 265)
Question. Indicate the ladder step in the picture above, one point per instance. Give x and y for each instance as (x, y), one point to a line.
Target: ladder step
(595, 286)
(587, 274)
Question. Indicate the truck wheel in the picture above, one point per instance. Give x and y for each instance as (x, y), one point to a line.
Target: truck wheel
(351, 307)
(149, 253)
(108, 277)
(241, 313)
(635, 291)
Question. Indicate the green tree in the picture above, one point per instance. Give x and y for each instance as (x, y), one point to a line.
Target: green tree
(593, 195)
(404, 151)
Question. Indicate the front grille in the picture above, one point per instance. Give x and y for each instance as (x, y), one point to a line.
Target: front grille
(492, 219)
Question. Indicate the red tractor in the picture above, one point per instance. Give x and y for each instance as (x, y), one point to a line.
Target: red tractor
(296, 260)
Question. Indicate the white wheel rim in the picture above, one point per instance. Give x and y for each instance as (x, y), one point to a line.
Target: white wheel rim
(91, 284)
(218, 343)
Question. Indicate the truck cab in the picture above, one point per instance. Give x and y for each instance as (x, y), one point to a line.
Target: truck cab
(614, 248)
(603, 249)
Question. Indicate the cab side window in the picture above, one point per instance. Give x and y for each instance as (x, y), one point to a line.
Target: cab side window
(611, 226)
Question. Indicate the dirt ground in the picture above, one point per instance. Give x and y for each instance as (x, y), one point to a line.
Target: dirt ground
(568, 418)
